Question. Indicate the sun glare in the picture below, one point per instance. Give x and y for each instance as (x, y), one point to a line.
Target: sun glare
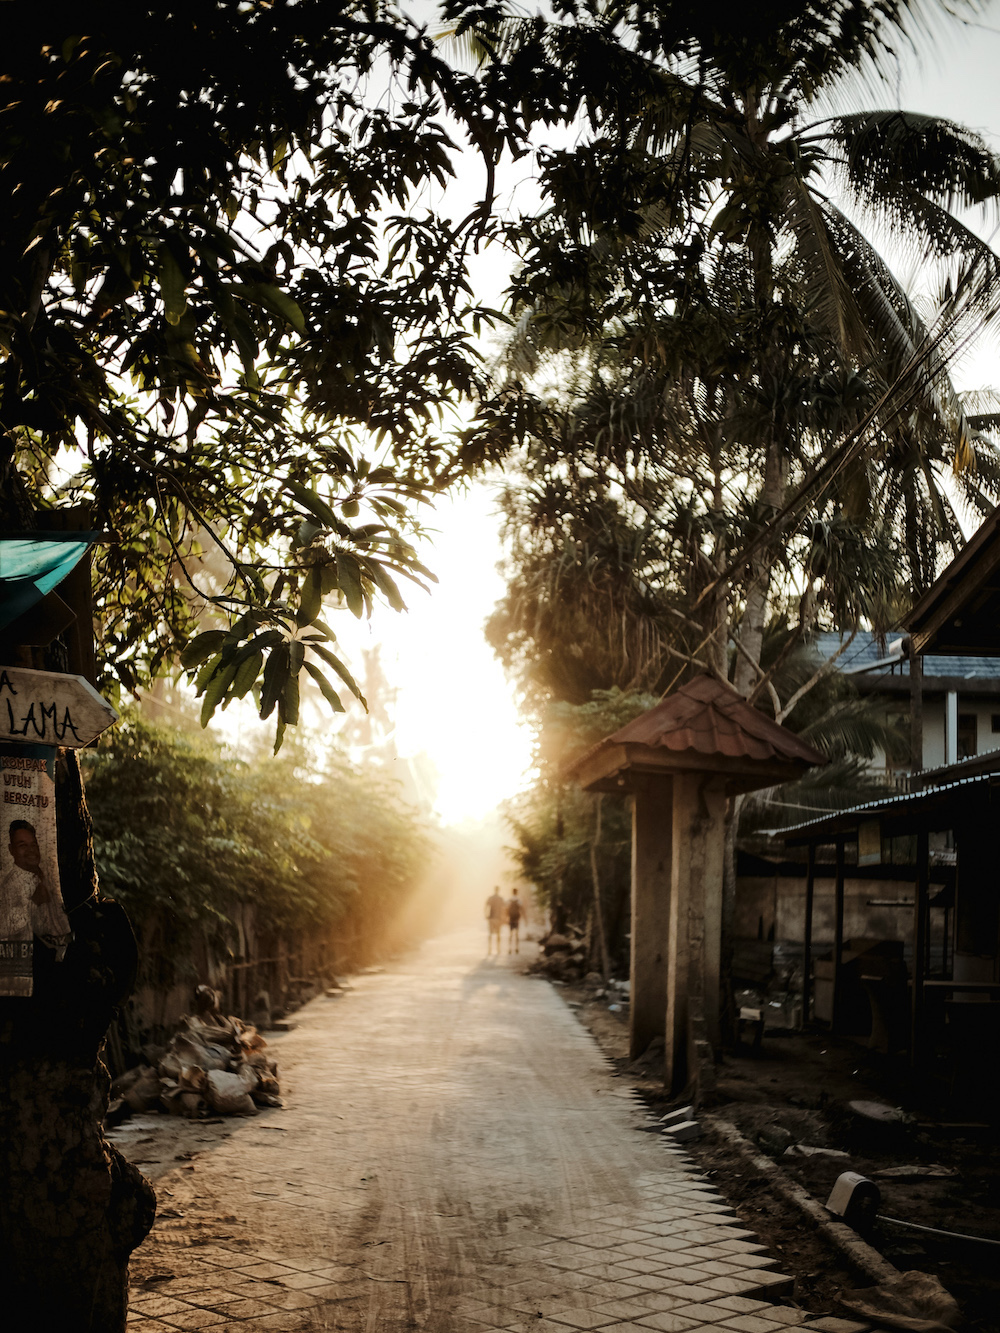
(453, 703)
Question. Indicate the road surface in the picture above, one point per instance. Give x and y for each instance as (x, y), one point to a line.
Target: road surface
(454, 1156)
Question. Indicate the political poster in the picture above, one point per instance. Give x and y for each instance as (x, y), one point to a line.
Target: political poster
(31, 906)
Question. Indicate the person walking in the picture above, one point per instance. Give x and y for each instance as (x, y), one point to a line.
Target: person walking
(514, 908)
(496, 914)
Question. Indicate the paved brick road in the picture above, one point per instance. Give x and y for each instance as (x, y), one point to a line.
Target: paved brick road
(455, 1156)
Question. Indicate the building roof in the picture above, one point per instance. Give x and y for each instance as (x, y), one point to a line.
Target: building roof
(868, 654)
(934, 808)
(960, 612)
(945, 792)
(705, 726)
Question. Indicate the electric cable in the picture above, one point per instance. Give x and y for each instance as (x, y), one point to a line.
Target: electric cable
(952, 1235)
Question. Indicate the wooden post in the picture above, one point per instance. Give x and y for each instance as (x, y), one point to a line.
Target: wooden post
(919, 943)
(916, 720)
(652, 844)
(807, 951)
(693, 975)
(838, 939)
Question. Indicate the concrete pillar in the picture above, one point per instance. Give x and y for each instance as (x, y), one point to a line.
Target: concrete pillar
(916, 717)
(694, 962)
(951, 728)
(652, 843)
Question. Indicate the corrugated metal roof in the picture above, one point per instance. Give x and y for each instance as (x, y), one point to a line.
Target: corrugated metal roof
(887, 805)
(710, 718)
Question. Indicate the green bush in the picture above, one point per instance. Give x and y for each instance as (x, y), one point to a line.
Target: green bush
(185, 834)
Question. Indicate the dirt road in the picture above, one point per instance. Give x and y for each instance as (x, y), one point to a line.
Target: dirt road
(454, 1155)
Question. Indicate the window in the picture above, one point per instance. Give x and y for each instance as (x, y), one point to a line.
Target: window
(967, 735)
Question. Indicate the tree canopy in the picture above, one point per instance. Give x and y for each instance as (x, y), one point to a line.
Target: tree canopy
(740, 410)
(231, 317)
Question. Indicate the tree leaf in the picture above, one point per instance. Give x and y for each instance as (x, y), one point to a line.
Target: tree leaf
(332, 660)
(172, 287)
(311, 598)
(202, 646)
(275, 675)
(329, 693)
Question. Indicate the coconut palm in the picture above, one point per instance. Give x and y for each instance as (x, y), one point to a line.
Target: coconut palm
(758, 369)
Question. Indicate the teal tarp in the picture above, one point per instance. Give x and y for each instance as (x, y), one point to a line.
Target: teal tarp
(30, 567)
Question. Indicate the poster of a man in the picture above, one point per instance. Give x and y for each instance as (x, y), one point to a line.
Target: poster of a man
(31, 906)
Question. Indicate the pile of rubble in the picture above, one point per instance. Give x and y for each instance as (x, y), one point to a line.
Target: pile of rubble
(213, 1065)
(562, 957)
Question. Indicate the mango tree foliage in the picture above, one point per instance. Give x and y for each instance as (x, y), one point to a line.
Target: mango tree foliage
(231, 318)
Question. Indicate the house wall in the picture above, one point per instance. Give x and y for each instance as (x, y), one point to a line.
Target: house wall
(934, 755)
(778, 903)
(934, 714)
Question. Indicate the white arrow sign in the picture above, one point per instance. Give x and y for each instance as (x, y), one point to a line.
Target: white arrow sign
(48, 708)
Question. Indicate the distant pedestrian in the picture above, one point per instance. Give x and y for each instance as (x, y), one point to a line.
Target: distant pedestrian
(514, 908)
(496, 915)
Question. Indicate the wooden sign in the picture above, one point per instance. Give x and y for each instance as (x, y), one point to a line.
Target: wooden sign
(49, 708)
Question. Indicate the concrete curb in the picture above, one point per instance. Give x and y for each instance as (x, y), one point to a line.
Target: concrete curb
(848, 1243)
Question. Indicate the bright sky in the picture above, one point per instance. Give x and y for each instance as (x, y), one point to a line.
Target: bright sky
(453, 702)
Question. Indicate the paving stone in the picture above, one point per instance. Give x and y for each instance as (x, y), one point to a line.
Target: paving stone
(530, 1326)
(716, 1268)
(751, 1323)
(644, 1265)
(155, 1306)
(655, 1302)
(284, 1322)
(265, 1270)
(668, 1323)
(612, 1291)
(586, 1319)
(192, 1318)
(247, 1309)
(675, 1240)
(684, 1275)
(750, 1260)
(831, 1324)
(750, 1283)
(623, 1309)
(704, 1312)
(300, 1281)
(626, 1327)
(647, 1281)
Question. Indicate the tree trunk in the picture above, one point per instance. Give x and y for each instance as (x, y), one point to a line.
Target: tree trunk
(72, 1209)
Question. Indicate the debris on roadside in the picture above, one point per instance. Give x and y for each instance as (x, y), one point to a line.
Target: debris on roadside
(563, 957)
(810, 1150)
(680, 1126)
(213, 1064)
(914, 1300)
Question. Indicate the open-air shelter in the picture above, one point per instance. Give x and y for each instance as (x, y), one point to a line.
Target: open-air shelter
(682, 763)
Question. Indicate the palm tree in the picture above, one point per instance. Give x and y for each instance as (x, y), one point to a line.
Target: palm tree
(710, 248)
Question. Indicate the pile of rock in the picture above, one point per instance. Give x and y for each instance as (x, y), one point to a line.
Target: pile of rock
(213, 1065)
(563, 957)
